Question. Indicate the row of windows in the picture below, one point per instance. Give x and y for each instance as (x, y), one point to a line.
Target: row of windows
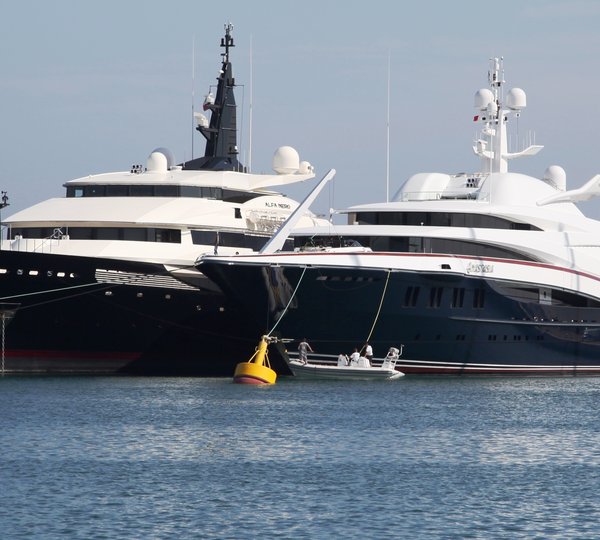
(491, 337)
(141, 190)
(516, 337)
(413, 244)
(137, 234)
(436, 295)
(547, 296)
(140, 234)
(441, 219)
(149, 234)
(233, 239)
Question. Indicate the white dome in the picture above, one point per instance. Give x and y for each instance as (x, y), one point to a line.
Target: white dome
(305, 168)
(482, 99)
(157, 162)
(160, 160)
(516, 99)
(286, 160)
(556, 177)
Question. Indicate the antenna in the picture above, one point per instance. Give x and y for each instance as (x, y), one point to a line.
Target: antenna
(387, 156)
(250, 109)
(193, 90)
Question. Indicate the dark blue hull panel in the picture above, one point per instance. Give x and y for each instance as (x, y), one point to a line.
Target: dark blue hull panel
(447, 323)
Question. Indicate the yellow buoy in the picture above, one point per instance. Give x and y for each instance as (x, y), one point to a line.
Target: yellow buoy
(257, 370)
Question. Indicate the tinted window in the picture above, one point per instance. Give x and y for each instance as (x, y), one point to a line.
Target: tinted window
(117, 191)
(166, 191)
(441, 219)
(140, 191)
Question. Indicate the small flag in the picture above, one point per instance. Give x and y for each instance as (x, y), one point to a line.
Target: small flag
(475, 118)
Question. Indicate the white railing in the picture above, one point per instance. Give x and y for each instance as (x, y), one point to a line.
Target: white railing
(37, 245)
(444, 196)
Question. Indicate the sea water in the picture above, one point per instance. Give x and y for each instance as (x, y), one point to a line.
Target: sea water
(420, 457)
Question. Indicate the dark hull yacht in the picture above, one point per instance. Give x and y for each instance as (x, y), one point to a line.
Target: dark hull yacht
(103, 280)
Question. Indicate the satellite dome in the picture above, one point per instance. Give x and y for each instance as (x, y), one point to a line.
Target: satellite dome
(556, 177)
(483, 98)
(516, 99)
(160, 160)
(286, 160)
(305, 168)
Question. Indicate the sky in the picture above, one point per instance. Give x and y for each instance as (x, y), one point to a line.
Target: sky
(91, 87)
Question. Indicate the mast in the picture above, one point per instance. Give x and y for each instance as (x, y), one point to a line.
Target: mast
(494, 111)
(221, 132)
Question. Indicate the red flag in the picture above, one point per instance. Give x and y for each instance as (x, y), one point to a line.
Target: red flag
(475, 118)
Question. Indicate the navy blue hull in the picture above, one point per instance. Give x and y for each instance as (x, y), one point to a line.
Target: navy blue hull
(447, 323)
(61, 317)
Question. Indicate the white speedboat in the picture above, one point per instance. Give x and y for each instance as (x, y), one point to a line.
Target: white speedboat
(103, 279)
(324, 367)
(492, 272)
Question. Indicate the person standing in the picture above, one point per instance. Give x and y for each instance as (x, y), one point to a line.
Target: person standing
(303, 349)
(368, 352)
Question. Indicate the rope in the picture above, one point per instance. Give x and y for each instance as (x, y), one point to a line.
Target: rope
(288, 304)
(387, 279)
(3, 333)
(48, 291)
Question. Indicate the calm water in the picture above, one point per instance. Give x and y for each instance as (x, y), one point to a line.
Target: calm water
(194, 458)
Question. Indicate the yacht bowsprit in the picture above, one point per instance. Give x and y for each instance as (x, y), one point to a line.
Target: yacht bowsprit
(104, 278)
(493, 272)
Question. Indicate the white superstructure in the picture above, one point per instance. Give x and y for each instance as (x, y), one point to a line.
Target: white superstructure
(169, 213)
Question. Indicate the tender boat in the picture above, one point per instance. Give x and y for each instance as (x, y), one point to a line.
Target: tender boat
(322, 367)
(103, 279)
(491, 272)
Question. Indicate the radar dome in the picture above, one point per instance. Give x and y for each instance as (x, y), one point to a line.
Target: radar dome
(286, 160)
(305, 168)
(482, 99)
(160, 160)
(516, 99)
(556, 177)
(492, 108)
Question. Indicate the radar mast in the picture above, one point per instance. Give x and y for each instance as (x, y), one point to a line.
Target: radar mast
(494, 111)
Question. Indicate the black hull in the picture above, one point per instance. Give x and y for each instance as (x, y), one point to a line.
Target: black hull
(63, 315)
(447, 323)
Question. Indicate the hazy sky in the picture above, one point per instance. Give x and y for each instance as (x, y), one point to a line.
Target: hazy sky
(90, 87)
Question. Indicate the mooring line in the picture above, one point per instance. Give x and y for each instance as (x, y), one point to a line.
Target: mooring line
(380, 305)
(288, 304)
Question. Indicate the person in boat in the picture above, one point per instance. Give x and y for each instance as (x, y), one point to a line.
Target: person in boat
(354, 357)
(303, 349)
(342, 360)
(368, 352)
